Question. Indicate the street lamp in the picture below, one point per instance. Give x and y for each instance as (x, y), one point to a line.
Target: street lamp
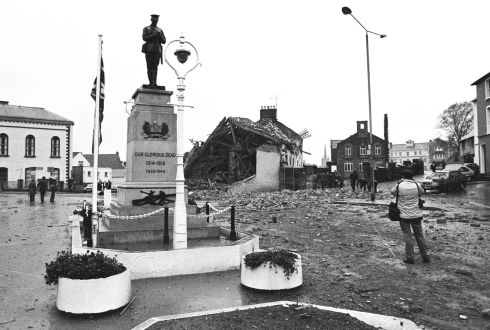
(347, 11)
(180, 214)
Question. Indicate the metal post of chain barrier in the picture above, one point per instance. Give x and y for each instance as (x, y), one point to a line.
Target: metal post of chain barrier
(232, 230)
(166, 238)
(207, 211)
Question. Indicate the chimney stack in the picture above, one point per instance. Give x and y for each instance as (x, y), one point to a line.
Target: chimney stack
(268, 112)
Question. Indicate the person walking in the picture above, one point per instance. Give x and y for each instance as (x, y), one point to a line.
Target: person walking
(43, 186)
(32, 190)
(353, 179)
(411, 215)
(52, 188)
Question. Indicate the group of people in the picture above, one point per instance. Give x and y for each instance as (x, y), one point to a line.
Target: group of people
(329, 180)
(103, 185)
(361, 183)
(42, 186)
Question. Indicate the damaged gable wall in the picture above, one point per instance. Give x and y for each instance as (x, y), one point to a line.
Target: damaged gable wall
(267, 176)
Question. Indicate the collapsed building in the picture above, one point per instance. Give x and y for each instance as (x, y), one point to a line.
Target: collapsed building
(247, 154)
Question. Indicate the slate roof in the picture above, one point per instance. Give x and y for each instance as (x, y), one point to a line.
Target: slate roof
(106, 160)
(480, 79)
(268, 128)
(31, 114)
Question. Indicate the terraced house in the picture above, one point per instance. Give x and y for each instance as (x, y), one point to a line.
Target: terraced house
(34, 142)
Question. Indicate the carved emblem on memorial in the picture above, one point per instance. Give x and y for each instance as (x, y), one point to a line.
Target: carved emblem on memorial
(152, 199)
(154, 130)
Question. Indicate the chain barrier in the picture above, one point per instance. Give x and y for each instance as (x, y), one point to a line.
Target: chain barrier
(142, 216)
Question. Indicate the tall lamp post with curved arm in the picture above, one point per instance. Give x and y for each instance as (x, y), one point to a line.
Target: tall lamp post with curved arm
(348, 11)
(182, 54)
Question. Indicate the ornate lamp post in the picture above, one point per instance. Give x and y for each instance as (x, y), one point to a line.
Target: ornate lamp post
(347, 11)
(180, 214)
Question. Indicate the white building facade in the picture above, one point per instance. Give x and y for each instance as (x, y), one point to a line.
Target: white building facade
(409, 151)
(34, 142)
(110, 168)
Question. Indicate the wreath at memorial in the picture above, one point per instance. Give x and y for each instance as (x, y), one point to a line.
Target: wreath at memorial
(154, 130)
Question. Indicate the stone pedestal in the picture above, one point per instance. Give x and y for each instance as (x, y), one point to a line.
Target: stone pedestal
(151, 146)
(151, 166)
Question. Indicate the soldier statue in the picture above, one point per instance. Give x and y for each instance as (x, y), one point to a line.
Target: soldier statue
(154, 38)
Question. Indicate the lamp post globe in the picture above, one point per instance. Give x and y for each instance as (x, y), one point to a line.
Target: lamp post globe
(346, 10)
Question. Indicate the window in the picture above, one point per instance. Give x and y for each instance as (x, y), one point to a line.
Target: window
(89, 174)
(30, 146)
(438, 148)
(360, 167)
(30, 175)
(348, 167)
(80, 163)
(348, 150)
(377, 149)
(400, 153)
(408, 153)
(106, 174)
(487, 88)
(55, 147)
(362, 150)
(4, 144)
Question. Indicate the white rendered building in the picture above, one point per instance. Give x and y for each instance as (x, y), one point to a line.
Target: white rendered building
(34, 142)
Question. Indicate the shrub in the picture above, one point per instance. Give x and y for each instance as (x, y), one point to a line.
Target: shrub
(82, 266)
(283, 258)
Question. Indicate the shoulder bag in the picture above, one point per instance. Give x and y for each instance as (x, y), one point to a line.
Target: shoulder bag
(421, 201)
(393, 210)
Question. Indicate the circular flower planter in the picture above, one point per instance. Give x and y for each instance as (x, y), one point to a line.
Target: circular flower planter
(269, 276)
(94, 295)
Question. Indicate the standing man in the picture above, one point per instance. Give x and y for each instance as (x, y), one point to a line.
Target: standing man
(32, 190)
(154, 38)
(353, 179)
(409, 193)
(52, 188)
(43, 186)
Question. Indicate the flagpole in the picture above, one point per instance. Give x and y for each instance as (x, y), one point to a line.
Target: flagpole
(96, 131)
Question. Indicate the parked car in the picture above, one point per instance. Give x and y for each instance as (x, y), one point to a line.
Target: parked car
(88, 188)
(465, 170)
(444, 181)
(473, 166)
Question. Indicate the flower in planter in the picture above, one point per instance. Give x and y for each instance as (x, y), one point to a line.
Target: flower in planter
(82, 266)
(283, 258)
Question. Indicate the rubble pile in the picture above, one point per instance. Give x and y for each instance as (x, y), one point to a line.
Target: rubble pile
(283, 198)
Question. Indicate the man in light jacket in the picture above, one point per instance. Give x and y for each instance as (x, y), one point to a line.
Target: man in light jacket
(411, 215)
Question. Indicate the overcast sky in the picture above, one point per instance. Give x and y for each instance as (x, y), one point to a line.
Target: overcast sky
(306, 54)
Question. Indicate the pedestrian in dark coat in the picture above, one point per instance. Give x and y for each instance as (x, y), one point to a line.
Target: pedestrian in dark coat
(353, 179)
(43, 186)
(32, 190)
(52, 188)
